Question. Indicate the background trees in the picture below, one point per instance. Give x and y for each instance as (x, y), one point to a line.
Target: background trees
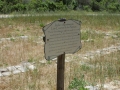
(8, 6)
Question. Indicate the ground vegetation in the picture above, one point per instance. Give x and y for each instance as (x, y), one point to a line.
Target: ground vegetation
(23, 6)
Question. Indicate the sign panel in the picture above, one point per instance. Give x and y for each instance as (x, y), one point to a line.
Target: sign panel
(61, 37)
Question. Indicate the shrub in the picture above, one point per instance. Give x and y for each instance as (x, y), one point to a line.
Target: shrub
(1, 4)
(113, 7)
(78, 84)
(51, 5)
(31, 5)
(61, 6)
(86, 8)
(95, 5)
(19, 7)
(8, 6)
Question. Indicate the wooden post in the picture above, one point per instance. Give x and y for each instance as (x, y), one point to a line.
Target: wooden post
(60, 71)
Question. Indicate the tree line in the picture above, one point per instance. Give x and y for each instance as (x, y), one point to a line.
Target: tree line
(9, 6)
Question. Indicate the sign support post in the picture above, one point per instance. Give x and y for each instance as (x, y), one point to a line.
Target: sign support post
(60, 71)
(61, 37)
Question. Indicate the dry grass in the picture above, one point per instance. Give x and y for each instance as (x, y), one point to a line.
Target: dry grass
(14, 51)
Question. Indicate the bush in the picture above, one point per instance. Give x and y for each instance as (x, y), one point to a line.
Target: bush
(78, 84)
(9, 6)
(113, 7)
(31, 5)
(86, 8)
(95, 5)
(51, 5)
(1, 4)
(6, 8)
(42, 6)
(47, 5)
(60, 6)
(18, 7)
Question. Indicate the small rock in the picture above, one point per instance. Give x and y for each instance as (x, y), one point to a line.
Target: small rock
(114, 36)
(1, 74)
(21, 69)
(3, 70)
(6, 73)
(92, 87)
(43, 61)
(85, 57)
(67, 61)
(39, 42)
(28, 65)
(108, 34)
(16, 71)
(4, 39)
(54, 59)
(11, 68)
(24, 37)
(98, 51)
(31, 67)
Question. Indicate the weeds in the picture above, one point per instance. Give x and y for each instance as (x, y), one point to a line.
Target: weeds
(42, 25)
(99, 70)
(78, 84)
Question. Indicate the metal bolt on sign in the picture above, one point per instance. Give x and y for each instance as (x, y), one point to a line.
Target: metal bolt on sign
(61, 37)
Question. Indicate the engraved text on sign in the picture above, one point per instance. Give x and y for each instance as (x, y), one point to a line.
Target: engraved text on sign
(61, 37)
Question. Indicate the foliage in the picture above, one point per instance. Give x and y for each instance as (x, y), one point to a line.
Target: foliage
(113, 7)
(61, 6)
(1, 4)
(87, 8)
(9, 6)
(78, 84)
(108, 5)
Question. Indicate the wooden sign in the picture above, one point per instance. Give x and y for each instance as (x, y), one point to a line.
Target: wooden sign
(62, 36)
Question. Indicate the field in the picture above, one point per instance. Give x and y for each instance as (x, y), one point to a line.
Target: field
(97, 63)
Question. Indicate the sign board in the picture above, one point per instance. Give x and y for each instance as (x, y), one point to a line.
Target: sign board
(62, 36)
